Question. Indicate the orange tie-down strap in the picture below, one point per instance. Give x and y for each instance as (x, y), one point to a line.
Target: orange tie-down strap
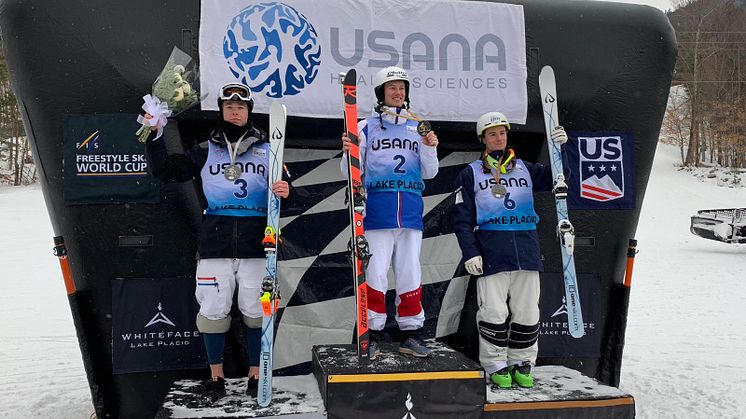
(560, 404)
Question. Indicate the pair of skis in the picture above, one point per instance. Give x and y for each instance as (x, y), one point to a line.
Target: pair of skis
(358, 245)
(360, 254)
(565, 230)
(270, 295)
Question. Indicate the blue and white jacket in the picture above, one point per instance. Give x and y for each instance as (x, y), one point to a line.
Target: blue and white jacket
(234, 212)
(501, 230)
(394, 163)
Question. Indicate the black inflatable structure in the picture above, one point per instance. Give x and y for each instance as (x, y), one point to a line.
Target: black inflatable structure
(77, 62)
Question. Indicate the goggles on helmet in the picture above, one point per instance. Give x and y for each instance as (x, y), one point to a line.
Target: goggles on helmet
(235, 91)
(499, 162)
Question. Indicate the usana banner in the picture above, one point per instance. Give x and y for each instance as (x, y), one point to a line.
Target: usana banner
(461, 57)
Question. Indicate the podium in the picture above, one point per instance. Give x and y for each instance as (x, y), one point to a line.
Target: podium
(445, 385)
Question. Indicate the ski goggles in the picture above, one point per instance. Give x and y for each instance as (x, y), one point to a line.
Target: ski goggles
(235, 91)
(502, 163)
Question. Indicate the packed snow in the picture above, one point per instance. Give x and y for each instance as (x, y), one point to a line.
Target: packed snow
(685, 335)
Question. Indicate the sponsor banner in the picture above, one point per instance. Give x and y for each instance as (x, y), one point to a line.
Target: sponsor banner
(153, 325)
(601, 172)
(554, 338)
(461, 57)
(104, 163)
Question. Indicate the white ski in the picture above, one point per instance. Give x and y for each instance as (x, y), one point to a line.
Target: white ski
(565, 230)
(270, 295)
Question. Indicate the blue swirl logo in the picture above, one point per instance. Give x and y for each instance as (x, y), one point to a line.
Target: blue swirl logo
(272, 48)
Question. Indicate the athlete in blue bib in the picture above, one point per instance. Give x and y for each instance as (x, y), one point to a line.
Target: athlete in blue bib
(395, 159)
(495, 223)
(231, 170)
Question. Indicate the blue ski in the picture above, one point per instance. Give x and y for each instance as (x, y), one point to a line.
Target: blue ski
(270, 295)
(565, 230)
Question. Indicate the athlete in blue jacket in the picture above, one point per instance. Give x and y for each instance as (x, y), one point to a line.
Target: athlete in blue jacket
(394, 161)
(231, 168)
(495, 224)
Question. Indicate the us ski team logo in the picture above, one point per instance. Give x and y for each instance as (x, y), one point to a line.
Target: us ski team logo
(601, 168)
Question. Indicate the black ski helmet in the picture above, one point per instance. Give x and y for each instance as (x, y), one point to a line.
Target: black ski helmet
(238, 92)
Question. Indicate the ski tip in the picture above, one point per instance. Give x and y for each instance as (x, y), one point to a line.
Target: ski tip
(350, 77)
(546, 71)
(577, 334)
(277, 106)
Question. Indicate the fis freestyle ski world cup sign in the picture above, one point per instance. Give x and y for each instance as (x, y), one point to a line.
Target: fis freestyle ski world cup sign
(294, 50)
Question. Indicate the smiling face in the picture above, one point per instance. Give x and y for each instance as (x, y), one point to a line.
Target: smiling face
(236, 112)
(394, 93)
(496, 138)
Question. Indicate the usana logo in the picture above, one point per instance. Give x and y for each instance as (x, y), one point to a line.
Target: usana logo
(256, 47)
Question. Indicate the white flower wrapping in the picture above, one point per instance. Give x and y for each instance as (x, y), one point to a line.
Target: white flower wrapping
(159, 112)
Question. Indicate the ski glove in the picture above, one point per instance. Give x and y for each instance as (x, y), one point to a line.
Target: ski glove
(559, 135)
(474, 265)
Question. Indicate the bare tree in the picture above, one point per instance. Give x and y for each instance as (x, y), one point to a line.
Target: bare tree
(711, 36)
(14, 146)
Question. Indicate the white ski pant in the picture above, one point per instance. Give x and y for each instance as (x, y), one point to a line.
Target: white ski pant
(398, 248)
(502, 344)
(217, 279)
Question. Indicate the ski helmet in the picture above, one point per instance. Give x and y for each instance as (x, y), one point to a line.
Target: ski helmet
(489, 120)
(238, 92)
(390, 74)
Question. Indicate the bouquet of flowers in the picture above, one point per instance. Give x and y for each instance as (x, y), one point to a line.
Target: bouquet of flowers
(173, 93)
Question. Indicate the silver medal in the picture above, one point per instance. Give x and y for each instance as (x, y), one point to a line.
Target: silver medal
(498, 190)
(232, 172)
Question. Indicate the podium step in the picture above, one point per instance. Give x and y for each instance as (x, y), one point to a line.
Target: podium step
(446, 384)
(559, 392)
(294, 398)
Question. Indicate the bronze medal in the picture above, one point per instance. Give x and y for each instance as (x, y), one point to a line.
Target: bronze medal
(498, 190)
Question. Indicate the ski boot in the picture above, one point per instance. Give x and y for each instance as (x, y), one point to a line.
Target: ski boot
(521, 374)
(502, 378)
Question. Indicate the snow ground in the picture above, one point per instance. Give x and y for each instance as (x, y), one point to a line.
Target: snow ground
(684, 350)
(684, 347)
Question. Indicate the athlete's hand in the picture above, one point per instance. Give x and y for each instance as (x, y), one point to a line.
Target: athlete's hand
(346, 143)
(281, 189)
(148, 117)
(474, 265)
(558, 135)
(430, 139)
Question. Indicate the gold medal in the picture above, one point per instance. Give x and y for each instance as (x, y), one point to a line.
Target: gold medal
(423, 128)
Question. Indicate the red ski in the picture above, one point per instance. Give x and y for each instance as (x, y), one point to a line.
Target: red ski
(358, 245)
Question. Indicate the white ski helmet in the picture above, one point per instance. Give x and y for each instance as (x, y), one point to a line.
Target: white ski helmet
(489, 120)
(390, 74)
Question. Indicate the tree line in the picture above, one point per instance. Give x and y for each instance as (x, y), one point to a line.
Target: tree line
(707, 105)
(16, 164)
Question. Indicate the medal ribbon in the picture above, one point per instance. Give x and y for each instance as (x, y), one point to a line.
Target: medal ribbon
(233, 152)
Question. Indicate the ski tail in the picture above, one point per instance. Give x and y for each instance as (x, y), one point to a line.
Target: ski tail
(359, 251)
(270, 293)
(565, 230)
